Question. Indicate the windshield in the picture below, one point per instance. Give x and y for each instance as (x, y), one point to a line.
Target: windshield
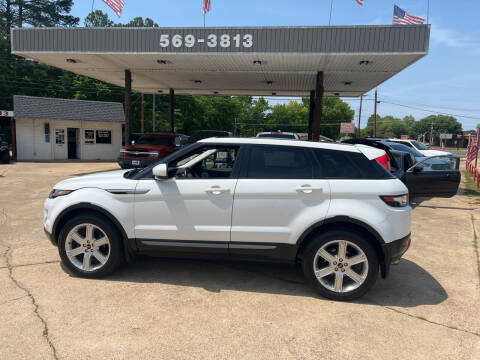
(147, 170)
(162, 140)
(420, 146)
(277, 136)
(401, 147)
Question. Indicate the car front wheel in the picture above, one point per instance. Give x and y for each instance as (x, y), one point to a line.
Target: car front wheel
(341, 265)
(90, 246)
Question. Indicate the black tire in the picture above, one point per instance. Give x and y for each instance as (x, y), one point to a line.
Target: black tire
(308, 263)
(5, 157)
(116, 256)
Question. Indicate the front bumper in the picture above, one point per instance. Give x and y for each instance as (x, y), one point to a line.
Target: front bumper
(393, 252)
(127, 162)
(50, 237)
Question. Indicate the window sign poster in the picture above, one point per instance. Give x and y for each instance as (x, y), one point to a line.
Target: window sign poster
(60, 136)
(104, 136)
(89, 137)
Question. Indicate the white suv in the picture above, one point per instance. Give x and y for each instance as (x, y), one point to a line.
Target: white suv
(330, 207)
(422, 148)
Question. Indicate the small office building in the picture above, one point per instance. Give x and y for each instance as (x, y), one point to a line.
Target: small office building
(61, 129)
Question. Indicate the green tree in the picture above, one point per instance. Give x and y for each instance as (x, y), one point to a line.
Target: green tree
(139, 22)
(98, 18)
(17, 13)
(437, 124)
(335, 111)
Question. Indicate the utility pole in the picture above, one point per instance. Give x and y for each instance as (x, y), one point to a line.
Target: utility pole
(359, 117)
(375, 116)
(431, 134)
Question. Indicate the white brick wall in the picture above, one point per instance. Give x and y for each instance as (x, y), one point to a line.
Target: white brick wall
(31, 144)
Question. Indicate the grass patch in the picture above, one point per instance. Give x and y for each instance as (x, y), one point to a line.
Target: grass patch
(470, 186)
(475, 245)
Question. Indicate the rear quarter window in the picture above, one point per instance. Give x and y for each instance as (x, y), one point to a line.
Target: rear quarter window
(347, 165)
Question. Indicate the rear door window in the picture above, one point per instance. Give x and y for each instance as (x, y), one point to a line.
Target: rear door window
(347, 165)
(278, 162)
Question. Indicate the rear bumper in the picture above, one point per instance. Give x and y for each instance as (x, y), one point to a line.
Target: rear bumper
(393, 252)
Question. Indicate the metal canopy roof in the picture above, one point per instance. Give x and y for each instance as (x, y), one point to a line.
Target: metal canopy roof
(231, 61)
(41, 108)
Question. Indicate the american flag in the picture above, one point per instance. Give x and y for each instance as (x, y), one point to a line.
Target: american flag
(360, 2)
(401, 17)
(207, 6)
(116, 5)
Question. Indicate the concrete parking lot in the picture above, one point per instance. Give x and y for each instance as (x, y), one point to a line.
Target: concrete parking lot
(189, 309)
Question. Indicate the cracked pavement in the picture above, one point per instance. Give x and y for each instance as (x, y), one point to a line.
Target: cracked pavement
(176, 309)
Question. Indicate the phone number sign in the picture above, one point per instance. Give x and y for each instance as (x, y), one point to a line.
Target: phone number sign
(212, 41)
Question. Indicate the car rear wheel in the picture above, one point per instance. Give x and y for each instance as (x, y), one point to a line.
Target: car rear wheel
(90, 247)
(341, 265)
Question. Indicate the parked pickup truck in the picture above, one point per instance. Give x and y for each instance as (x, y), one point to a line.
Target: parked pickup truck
(149, 148)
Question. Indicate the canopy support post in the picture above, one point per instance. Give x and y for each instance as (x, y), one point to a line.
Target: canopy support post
(317, 113)
(128, 106)
(172, 111)
(310, 114)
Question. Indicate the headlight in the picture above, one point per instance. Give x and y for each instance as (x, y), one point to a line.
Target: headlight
(56, 193)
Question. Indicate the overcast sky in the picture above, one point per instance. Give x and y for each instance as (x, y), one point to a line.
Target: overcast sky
(445, 81)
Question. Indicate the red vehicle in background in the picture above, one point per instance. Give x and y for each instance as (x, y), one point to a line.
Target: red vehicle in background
(150, 147)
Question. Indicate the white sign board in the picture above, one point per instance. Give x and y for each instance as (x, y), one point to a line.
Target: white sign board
(6, 113)
(347, 128)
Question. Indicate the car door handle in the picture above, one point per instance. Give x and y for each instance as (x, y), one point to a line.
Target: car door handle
(217, 190)
(308, 189)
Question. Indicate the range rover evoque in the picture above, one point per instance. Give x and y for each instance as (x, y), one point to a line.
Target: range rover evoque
(330, 207)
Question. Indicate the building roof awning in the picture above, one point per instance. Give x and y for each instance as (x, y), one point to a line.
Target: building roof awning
(265, 61)
(40, 108)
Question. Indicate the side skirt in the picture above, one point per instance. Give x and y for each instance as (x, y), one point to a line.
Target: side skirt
(271, 252)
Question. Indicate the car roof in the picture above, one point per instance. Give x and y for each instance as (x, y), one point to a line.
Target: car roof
(396, 140)
(283, 142)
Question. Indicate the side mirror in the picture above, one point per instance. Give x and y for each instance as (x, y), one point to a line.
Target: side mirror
(160, 172)
(132, 142)
(417, 169)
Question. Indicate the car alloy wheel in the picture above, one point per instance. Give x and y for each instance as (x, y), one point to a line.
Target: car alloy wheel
(87, 247)
(340, 266)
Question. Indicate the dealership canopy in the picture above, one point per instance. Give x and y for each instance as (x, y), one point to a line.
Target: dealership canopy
(231, 61)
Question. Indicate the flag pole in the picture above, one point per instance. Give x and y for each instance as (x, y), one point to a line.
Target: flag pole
(428, 11)
(330, 18)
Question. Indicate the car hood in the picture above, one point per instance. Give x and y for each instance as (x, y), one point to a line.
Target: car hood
(103, 180)
(147, 146)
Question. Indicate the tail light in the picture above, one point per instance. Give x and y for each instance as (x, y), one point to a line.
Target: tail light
(395, 201)
(384, 160)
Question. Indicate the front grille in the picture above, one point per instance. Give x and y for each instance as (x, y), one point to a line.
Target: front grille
(137, 153)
